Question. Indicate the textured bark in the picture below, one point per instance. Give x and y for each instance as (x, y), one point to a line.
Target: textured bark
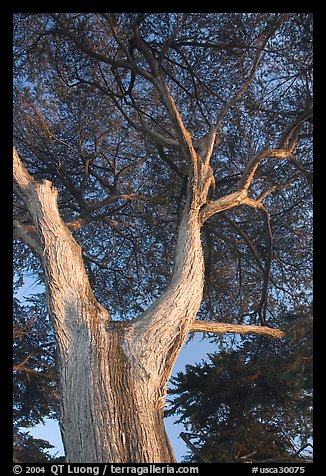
(108, 413)
(113, 375)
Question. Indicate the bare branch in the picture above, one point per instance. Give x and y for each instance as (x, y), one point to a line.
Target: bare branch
(184, 136)
(51, 134)
(254, 162)
(170, 162)
(262, 307)
(246, 239)
(306, 115)
(284, 152)
(124, 196)
(223, 328)
(23, 362)
(60, 249)
(77, 223)
(265, 37)
(28, 232)
(22, 179)
(280, 186)
(193, 448)
(224, 203)
(145, 50)
(264, 269)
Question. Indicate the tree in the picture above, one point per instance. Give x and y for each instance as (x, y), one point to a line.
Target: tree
(163, 174)
(28, 449)
(34, 362)
(35, 385)
(252, 403)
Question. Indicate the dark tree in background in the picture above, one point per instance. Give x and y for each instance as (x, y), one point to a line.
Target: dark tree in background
(35, 385)
(162, 173)
(253, 403)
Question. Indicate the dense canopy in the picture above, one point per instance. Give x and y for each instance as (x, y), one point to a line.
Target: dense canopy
(89, 116)
(108, 147)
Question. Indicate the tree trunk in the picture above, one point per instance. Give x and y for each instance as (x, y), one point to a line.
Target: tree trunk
(110, 413)
(113, 375)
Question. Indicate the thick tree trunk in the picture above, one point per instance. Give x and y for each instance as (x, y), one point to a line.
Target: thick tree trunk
(109, 413)
(113, 375)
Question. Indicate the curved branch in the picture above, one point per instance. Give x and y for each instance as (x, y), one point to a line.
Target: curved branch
(306, 115)
(255, 161)
(241, 195)
(223, 203)
(183, 135)
(194, 449)
(223, 328)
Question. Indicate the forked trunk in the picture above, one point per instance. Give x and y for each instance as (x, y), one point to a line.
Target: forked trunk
(108, 412)
(113, 375)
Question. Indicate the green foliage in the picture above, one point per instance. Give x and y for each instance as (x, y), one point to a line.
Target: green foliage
(30, 450)
(35, 384)
(35, 377)
(253, 403)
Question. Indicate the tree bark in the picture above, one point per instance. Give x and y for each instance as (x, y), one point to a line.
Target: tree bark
(113, 375)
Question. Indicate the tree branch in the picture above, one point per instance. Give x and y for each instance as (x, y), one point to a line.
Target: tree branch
(306, 115)
(170, 162)
(88, 49)
(65, 275)
(22, 179)
(265, 37)
(262, 307)
(254, 162)
(240, 196)
(156, 136)
(193, 448)
(30, 239)
(223, 203)
(223, 328)
(184, 136)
